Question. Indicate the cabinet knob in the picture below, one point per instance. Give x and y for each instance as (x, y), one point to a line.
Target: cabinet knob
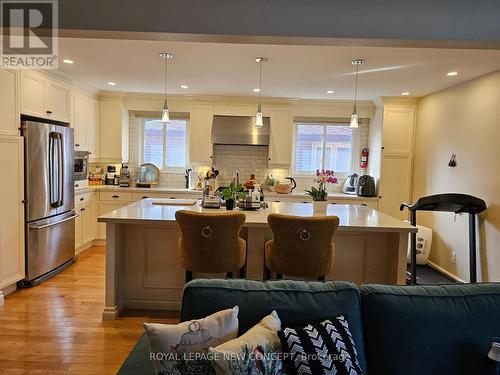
(269, 159)
(115, 196)
(211, 157)
(82, 199)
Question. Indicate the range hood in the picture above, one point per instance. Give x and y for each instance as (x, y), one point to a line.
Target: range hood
(239, 130)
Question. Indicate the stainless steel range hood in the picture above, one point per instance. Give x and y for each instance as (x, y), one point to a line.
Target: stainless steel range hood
(239, 130)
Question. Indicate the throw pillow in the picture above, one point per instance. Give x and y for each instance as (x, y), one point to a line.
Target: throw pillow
(254, 352)
(321, 348)
(175, 349)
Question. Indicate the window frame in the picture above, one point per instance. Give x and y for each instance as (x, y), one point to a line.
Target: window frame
(355, 148)
(164, 168)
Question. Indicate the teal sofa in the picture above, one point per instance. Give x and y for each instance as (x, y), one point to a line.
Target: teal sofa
(411, 330)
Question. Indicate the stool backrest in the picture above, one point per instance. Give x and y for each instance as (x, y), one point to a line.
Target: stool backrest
(302, 246)
(210, 242)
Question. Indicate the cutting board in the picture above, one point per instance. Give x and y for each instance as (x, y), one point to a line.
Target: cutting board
(174, 202)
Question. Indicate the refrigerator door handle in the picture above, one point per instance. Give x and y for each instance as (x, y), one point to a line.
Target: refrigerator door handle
(61, 170)
(52, 224)
(55, 164)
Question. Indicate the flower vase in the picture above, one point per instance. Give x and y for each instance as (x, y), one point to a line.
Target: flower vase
(320, 207)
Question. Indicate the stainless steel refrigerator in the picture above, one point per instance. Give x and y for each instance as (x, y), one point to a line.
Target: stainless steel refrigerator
(49, 199)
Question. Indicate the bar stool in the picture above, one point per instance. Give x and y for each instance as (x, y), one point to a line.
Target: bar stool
(210, 243)
(302, 246)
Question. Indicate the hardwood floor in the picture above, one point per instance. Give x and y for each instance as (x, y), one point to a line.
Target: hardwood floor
(56, 327)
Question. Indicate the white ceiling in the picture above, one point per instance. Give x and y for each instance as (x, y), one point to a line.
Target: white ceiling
(291, 72)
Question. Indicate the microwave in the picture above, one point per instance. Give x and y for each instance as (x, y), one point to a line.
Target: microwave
(81, 163)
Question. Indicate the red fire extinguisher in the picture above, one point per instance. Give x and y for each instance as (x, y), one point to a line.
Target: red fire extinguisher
(364, 158)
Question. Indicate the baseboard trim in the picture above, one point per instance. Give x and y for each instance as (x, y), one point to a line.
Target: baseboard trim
(445, 272)
(1, 299)
(148, 304)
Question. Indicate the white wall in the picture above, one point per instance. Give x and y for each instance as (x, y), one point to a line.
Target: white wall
(464, 120)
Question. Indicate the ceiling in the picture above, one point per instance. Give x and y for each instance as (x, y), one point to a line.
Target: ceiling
(292, 71)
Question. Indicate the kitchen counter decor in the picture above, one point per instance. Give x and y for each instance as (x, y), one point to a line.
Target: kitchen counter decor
(319, 195)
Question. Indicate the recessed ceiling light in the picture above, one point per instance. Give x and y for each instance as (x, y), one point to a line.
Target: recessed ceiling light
(451, 74)
(329, 92)
(405, 93)
(256, 90)
(184, 86)
(68, 61)
(112, 83)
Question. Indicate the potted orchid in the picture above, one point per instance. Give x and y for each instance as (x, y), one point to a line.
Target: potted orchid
(319, 195)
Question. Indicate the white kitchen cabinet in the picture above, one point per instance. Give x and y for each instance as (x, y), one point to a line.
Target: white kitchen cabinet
(113, 130)
(11, 211)
(397, 156)
(86, 124)
(86, 207)
(200, 135)
(45, 97)
(9, 105)
(281, 134)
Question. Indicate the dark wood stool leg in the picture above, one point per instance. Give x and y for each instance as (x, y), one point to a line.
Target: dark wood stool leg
(229, 275)
(279, 276)
(322, 278)
(189, 276)
(267, 275)
(243, 272)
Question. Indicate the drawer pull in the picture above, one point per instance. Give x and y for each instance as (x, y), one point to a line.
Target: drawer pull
(82, 209)
(172, 198)
(115, 196)
(76, 185)
(49, 112)
(77, 145)
(82, 199)
(145, 197)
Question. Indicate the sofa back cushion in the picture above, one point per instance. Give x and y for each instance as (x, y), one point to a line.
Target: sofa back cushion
(429, 329)
(296, 302)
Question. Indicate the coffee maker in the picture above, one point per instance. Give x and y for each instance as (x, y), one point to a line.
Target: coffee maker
(110, 175)
(124, 179)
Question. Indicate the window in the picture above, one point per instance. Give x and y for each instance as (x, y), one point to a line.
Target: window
(165, 145)
(328, 146)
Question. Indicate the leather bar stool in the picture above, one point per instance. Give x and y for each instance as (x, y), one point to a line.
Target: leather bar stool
(210, 243)
(302, 246)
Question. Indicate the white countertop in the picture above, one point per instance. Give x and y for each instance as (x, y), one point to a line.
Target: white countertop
(352, 217)
(160, 189)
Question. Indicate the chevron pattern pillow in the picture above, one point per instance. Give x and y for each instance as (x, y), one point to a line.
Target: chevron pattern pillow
(321, 348)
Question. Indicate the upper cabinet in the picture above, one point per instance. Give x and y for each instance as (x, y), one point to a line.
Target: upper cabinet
(9, 104)
(113, 129)
(281, 133)
(200, 135)
(45, 97)
(85, 121)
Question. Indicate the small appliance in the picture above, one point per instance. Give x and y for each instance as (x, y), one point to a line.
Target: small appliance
(81, 163)
(286, 188)
(124, 180)
(110, 175)
(366, 186)
(351, 184)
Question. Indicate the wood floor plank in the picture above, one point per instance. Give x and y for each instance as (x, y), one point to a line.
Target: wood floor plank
(56, 327)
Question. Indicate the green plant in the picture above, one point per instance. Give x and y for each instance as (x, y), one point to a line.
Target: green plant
(272, 181)
(316, 194)
(232, 192)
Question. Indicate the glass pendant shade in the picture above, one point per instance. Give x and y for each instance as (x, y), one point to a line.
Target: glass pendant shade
(354, 118)
(258, 118)
(165, 116)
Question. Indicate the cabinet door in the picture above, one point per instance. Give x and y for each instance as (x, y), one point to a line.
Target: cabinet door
(93, 128)
(33, 94)
(106, 207)
(78, 228)
(87, 214)
(114, 131)
(79, 122)
(280, 142)
(9, 121)
(58, 101)
(11, 211)
(200, 134)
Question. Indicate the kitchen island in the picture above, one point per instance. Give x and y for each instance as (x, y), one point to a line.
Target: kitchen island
(143, 271)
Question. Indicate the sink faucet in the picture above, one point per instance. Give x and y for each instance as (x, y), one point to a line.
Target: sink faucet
(236, 178)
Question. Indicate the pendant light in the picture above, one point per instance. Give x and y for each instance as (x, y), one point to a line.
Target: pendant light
(165, 115)
(258, 116)
(354, 116)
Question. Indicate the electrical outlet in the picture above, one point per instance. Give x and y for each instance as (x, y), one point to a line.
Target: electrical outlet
(453, 257)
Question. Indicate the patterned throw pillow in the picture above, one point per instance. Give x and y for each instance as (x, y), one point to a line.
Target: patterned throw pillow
(182, 349)
(256, 352)
(321, 348)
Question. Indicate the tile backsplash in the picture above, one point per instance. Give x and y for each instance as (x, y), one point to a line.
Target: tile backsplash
(228, 158)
